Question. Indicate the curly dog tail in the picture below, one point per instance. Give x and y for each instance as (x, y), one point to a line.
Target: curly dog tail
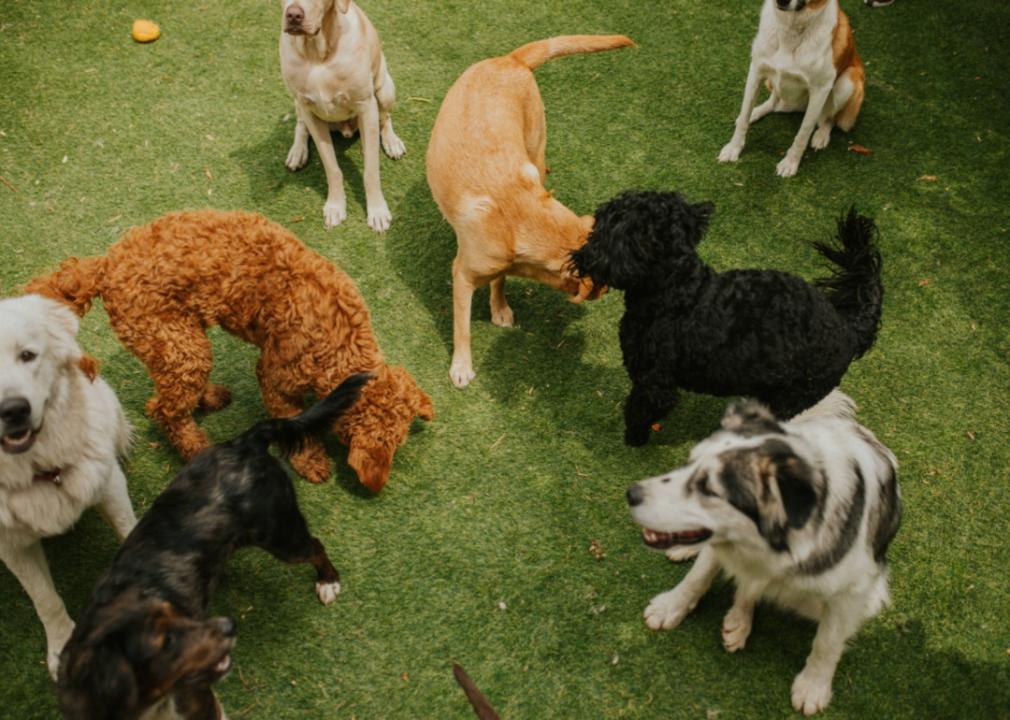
(536, 53)
(289, 434)
(855, 288)
(75, 282)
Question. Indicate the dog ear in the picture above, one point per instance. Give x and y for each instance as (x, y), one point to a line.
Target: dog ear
(62, 325)
(786, 494)
(96, 679)
(371, 464)
(700, 214)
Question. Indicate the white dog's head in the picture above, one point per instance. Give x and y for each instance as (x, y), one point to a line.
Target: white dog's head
(745, 484)
(305, 17)
(37, 348)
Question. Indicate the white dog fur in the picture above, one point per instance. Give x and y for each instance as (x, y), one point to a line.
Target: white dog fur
(805, 52)
(68, 460)
(334, 68)
(798, 513)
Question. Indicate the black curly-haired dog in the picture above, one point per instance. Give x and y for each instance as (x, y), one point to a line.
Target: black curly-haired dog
(144, 646)
(759, 333)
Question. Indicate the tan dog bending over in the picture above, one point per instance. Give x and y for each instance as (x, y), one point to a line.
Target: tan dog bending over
(333, 66)
(486, 170)
(805, 53)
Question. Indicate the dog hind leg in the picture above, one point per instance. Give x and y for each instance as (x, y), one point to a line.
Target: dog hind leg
(115, 506)
(646, 403)
(292, 542)
(501, 313)
(392, 145)
(298, 155)
(311, 460)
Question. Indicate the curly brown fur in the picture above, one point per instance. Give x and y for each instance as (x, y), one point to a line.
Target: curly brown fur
(164, 283)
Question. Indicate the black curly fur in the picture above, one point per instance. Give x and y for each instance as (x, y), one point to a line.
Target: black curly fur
(759, 333)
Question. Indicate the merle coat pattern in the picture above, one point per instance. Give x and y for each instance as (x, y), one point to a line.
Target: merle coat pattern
(758, 333)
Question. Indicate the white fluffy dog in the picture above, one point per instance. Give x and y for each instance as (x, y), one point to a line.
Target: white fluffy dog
(799, 513)
(61, 430)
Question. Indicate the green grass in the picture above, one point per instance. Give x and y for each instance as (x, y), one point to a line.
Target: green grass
(478, 550)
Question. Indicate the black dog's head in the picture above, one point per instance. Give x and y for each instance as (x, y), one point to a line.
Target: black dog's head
(640, 238)
(135, 652)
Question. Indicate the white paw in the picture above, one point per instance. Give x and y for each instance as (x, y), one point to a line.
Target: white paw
(393, 146)
(327, 592)
(461, 372)
(334, 212)
(736, 627)
(379, 217)
(730, 152)
(787, 166)
(666, 610)
(680, 553)
(810, 694)
(298, 155)
(821, 137)
(503, 318)
(55, 647)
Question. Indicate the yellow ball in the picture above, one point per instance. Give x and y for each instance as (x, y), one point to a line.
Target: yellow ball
(145, 31)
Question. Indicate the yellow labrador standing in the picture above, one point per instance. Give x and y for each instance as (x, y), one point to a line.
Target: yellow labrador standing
(333, 66)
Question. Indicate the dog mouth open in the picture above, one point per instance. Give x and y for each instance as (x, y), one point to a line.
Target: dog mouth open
(18, 441)
(664, 540)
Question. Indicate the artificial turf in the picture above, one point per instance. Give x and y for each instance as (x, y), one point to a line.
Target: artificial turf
(502, 540)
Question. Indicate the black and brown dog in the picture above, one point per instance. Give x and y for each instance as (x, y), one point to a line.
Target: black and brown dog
(144, 640)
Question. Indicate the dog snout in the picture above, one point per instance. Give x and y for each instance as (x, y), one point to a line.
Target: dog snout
(294, 15)
(635, 495)
(227, 626)
(15, 411)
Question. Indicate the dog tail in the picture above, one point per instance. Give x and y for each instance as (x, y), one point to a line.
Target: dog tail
(536, 53)
(855, 288)
(75, 283)
(480, 704)
(289, 434)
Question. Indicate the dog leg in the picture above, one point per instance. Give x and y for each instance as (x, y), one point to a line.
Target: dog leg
(28, 564)
(667, 610)
(763, 109)
(737, 624)
(811, 691)
(681, 553)
(392, 145)
(379, 217)
(215, 397)
(461, 371)
(646, 403)
(335, 208)
(310, 461)
(731, 151)
(501, 313)
(298, 155)
(788, 166)
(115, 504)
(292, 543)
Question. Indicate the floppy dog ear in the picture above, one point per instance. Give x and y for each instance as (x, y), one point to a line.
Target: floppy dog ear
(61, 326)
(786, 493)
(97, 680)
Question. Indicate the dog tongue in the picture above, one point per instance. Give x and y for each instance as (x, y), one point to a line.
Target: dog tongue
(223, 664)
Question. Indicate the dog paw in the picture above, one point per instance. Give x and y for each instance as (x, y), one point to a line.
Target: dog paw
(667, 610)
(680, 553)
(55, 645)
(393, 146)
(503, 317)
(327, 592)
(787, 166)
(215, 397)
(298, 155)
(461, 372)
(730, 152)
(636, 437)
(736, 627)
(810, 694)
(379, 217)
(334, 212)
(820, 139)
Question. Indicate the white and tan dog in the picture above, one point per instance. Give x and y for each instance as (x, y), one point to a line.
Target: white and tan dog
(333, 66)
(61, 432)
(798, 513)
(805, 52)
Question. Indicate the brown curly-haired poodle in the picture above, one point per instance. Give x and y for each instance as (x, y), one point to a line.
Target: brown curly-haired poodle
(164, 283)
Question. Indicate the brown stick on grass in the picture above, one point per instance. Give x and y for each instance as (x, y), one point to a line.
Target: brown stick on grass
(480, 704)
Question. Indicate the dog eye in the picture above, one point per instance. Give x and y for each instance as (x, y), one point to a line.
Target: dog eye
(703, 487)
(27, 356)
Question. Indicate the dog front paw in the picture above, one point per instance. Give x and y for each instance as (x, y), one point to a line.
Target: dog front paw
(327, 591)
(636, 437)
(667, 610)
(680, 553)
(736, 627)
(298, 155)
(334, 212)
(393, 146)
(461, 372)
(54, 646)
(730, 152)
(810, 693)
(379, 217)
(787, 166)
(215, 397)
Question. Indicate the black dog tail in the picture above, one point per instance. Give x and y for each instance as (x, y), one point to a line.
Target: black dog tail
(289, 434)
(855, 288)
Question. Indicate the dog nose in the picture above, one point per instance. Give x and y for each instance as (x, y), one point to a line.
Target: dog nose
(635, 495)
(783, 4)
(227, 626)
(15, 410)
(294, 15)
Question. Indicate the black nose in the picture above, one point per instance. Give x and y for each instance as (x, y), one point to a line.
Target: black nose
(227, 626)
(783, 4)
(635, 495)
(294, 15)
(15, 411)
